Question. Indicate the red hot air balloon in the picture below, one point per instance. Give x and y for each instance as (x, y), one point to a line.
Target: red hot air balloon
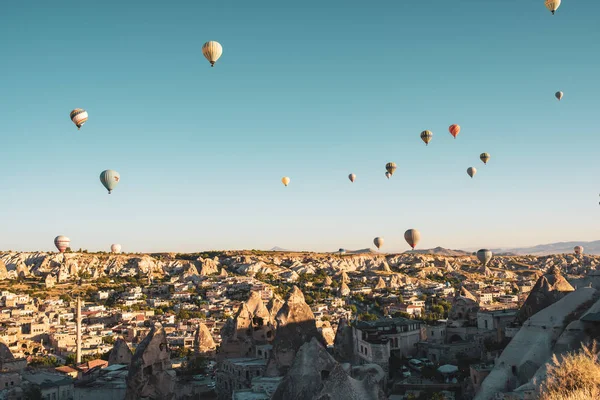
(454, 130)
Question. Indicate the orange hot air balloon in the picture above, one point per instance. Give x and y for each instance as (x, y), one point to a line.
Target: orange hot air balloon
(454, 130)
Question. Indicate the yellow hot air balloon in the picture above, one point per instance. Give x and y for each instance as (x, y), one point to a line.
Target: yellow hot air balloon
(390, 167)
(552, 5)
(426, 136)
(285, 180)
(485, 157)
(212, 51)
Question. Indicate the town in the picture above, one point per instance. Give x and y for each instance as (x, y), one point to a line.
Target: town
(253, 325)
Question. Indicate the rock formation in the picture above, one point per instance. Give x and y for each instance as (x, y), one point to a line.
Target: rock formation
(120, 353)
(549, 288)
(344, 290)
(380, 284)
(343, 345)
(3, 271)
(203, 340)
(150, 373)
(532, 346)
(314, 374)
(295, 323)
(5, 353)
(252, 324)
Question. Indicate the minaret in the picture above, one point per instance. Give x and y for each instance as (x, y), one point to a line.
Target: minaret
(78, 340)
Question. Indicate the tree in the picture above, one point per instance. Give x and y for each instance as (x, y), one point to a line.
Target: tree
(437, 309)
(367, 317)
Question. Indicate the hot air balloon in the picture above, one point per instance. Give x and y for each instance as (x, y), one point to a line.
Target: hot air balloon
(378, 242)
(352, 177)
(285, 180)
(412, 237)
(212, 51)
(110, 179)
(454, 130)
(578, 250)
(558, 95)
(426, 136)
(387, 175)
(115, 248)
(79, 117)
(552, 5)
(484, 256)
(390, 167)
(471, 171)
(485, 157)
(62, 243)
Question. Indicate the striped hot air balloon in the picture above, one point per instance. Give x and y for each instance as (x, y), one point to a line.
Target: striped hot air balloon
(552, 5)
(412, 237)
(390, 167)
(212, 51)
(62, 243)
(110, 179)
(352, 177)
(79, 117)
(426, 136)
(285, 180)
(485, 157)
(471, 171)
(115, 248)
(454, 130)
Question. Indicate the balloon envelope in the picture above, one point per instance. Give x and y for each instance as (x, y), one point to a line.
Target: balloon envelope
(485, 157)
(212, 51)
(110, 179)
(412, 237)
(378, 242)
(426, 136)
(285, 180)
(552, 5)
(578, 249)
(484, 256)
(79, 117)
(471, 171)
(115, 248)
(352, 177)
(387, 175)
(62, 243)
(454, 130)
(390, 167)
(559, 95)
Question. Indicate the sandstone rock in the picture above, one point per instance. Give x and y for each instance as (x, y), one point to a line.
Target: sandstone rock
(150, 373)
(203, 340)
(314, 374)
(120, 353)
(380, 284)
(295, 323)
(3, 271)
(327, 332)
(5, 353)
(50, 281)
(343, 345)
(208, 266)
(344, 290)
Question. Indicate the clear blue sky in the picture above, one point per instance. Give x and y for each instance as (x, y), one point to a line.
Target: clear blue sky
(313, 90)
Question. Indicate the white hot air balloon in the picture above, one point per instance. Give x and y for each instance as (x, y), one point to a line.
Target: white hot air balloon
(352, 177)
(212, 51)
(62, 243)
(378, 241)
(115, 248)
(471, 171)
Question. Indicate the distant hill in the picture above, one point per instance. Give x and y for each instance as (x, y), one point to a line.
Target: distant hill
(440, 251)
(280, 249)
(361, 251)
(552, 248)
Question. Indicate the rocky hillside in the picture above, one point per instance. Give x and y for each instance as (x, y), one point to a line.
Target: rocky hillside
(288, 266)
